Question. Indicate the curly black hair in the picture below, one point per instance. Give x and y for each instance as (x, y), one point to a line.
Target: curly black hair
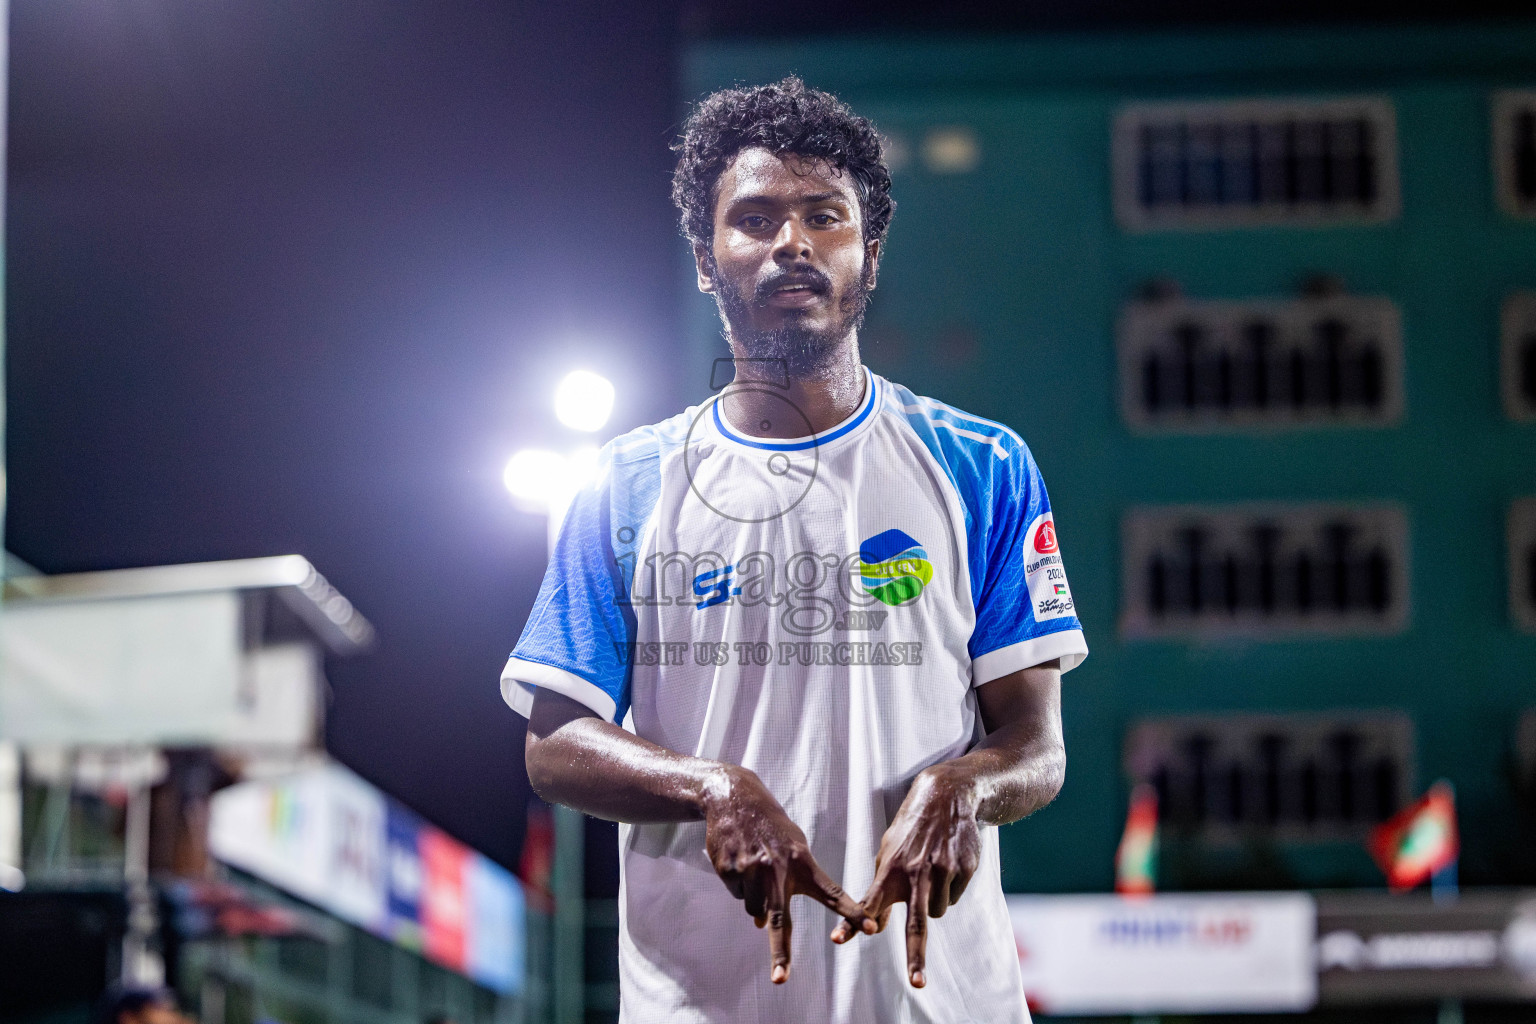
(785, 117)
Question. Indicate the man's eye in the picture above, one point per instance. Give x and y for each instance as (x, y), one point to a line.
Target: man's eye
(822, 220)
(754, 222)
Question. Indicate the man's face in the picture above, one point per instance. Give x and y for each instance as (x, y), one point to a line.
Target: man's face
(788, 262)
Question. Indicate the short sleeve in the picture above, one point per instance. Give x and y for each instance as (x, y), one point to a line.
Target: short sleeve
(1025, 614)
(577, 637)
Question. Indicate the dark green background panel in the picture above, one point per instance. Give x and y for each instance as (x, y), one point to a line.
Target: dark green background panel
(999, 293)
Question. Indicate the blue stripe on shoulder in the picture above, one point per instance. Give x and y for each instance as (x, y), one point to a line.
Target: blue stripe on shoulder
(969, 448)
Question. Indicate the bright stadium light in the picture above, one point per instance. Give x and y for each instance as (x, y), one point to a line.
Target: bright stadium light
(581, 466)
(584, 400)
(533, 476)
(545, 481)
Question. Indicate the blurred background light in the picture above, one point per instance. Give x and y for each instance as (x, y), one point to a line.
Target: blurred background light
(544, 482)
(584, 400)
(951, 150)
(532, 477)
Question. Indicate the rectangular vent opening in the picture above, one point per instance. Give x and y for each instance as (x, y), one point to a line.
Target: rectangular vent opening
(1296, 778)
(1522, 564)
(1252, 162)
(1514, 151)
(1518, 364)
(1190, 365)
(1264, 569)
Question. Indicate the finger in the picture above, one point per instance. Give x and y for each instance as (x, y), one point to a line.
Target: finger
(724, 863)
(846, 929)
(938, 892)
(962, 879)
(730, 876)
(917, 930)
(779, 925)
(823, 890)
(876, 903)
(754, 894)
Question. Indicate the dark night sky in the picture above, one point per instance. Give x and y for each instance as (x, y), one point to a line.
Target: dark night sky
(288, 277)
(296, 275)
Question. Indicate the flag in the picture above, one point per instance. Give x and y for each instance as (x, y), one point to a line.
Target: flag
(1136, 860)
(1419, 840)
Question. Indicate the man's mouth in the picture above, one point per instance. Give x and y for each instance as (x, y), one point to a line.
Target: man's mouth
(798, 290)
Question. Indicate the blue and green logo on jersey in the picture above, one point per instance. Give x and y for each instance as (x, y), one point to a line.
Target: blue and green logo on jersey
(894, 567)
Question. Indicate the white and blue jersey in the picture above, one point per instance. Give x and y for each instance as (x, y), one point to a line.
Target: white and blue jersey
(819, 610)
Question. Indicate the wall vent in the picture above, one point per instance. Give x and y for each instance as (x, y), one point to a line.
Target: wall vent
(1514, 151)
(1518, 363)
(1264, 569)
(1255, 162)
(1522, 564)
(1290, 777)
(1202, 365)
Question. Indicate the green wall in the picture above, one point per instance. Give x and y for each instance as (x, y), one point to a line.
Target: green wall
(999, 292)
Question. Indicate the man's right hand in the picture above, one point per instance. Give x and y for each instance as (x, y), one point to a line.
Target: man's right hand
(764, 859)
(578, 759)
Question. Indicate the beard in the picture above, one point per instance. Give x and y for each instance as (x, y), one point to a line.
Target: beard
(806, 352)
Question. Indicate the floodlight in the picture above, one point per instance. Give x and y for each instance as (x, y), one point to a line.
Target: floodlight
(581, 466)
(533, 476)
(584, 400)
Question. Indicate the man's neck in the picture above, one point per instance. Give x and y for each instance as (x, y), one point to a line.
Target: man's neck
(757, 402)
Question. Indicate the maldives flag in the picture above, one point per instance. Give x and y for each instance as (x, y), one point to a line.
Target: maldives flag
(1136, 860)
(1419, 840)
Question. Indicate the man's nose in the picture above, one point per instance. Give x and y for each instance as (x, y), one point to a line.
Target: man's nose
(792, 243)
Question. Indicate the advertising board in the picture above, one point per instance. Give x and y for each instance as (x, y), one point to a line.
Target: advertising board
(1216, 953)
(1374, 949)
(330, 838)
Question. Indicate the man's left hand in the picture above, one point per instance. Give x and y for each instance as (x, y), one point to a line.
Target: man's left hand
(926, 859)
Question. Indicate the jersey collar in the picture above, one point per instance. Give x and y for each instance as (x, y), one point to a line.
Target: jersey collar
(860, 416)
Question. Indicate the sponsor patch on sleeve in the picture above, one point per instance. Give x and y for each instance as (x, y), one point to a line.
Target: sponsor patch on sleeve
(1044, 574)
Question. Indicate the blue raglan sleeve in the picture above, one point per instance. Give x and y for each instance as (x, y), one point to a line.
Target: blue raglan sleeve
(580, 630)
(1025, 614)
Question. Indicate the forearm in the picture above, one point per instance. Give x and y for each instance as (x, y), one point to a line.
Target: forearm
(1009, 776)
(600, 769)
(1020, 765)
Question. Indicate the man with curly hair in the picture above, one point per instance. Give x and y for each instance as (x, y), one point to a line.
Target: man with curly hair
(810, 630)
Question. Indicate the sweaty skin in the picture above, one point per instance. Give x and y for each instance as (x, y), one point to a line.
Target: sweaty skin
(788, 246)
(577, 759)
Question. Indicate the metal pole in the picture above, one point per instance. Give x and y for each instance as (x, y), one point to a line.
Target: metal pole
(50, 847)
(141, 962)
(569, 966)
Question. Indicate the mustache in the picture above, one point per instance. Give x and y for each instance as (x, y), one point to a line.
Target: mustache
(808, 276)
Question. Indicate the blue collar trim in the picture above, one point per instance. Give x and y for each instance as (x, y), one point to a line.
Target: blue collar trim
(870, 397)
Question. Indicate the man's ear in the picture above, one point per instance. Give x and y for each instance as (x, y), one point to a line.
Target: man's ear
(701, 263)
(872, 263)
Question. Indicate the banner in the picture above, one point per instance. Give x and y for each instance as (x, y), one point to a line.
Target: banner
(1373, 948)
(1227, 953)
(332, 839)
